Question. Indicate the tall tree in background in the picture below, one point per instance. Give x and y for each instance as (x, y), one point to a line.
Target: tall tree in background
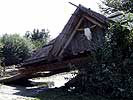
(38, 38)
(117, 5)
(14, 49)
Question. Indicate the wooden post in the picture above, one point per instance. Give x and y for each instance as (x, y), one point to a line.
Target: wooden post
(72, 35)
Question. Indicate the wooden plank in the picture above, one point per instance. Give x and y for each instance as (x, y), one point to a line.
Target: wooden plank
(11, 78)
(59, 67)
(73, 4)
(65, 32)
(53, 66)
(48, 74)
(82, 29)
(70, 38)
(93, 21)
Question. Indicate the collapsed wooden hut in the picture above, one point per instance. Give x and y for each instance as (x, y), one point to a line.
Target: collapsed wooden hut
(83, 33)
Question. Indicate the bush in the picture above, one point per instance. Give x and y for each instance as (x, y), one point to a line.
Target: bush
(108, 73)
(14, 49)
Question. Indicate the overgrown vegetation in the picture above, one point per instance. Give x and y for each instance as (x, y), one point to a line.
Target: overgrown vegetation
(60, 94)
(109, 73)
(111, 6)
(15, 48)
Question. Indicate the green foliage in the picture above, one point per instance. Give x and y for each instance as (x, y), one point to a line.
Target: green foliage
(107, 74)
(38, 38)
(60, 94)
(14, 49)
(117, 5)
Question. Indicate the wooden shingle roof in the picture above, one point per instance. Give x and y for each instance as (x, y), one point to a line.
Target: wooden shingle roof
(67, 42)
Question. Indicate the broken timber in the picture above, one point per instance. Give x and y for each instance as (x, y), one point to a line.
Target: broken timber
(55, 68)
(70, 47)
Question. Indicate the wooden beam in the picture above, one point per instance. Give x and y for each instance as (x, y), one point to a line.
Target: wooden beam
(53, 66)
(93, 26)
(82, 29)
(72, 35)
(73, 4)
(93, 21)
(58, 67)
(11, 78)
(48, 74)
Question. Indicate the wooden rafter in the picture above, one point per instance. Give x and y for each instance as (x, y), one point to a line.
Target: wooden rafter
(93, 21)
(82, 29)
(72, 35)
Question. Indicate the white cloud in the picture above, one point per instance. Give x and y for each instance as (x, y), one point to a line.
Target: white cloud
(18, 16)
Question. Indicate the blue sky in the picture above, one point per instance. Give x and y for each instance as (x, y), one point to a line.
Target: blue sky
(19, 16)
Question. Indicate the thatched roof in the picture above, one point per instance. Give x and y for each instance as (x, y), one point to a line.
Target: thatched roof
(71, 42)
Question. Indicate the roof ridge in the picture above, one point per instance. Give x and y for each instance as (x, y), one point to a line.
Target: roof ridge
(80, 8)
(57, 46)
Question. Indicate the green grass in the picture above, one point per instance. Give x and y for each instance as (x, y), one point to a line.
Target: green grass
(58, 94)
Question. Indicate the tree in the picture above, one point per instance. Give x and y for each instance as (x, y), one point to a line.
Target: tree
(116, 5)
(38, 38)
(14, 49)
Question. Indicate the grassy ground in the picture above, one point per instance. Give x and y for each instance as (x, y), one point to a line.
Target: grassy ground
(59, 94)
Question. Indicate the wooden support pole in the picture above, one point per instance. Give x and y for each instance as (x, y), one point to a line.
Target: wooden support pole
(72, 35)
(82, 29)
(73, 4)
(93, 21)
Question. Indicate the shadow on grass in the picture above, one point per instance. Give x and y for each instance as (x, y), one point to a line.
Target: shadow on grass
(60, 94)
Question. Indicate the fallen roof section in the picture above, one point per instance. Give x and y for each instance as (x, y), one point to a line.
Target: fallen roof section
(57, 48)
